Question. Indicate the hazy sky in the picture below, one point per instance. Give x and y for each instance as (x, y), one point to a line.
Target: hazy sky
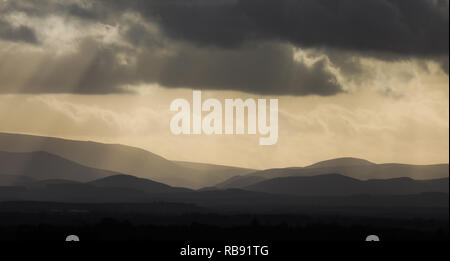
(366, 79)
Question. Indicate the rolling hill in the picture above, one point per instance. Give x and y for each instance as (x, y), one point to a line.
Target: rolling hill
(122, 159)
(339, 162)
(339, 185)
(41, 165)
(116, 159)
(327, 193)
(111, 189)
(349, 167)
(131, 182)
(14, 180)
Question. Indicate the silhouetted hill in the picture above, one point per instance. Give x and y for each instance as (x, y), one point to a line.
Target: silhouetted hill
(46, 182)
(240, 181)
(159, 208)
(399, 186)
(213, 173)
(14, 180)
(212, 167)
(339, 185)
(359, 169)
(144, 164)
(131, 182)
(322, 194)
(116, 188)
(120, 159)
(323, 185)
(240, 200)
(339, 162)
(72, 192)
(42, 165)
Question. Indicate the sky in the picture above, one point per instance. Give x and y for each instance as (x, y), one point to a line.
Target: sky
(354, 78)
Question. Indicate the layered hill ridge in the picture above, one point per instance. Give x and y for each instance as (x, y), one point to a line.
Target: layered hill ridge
(42, 165)
(36, 157)
(41, 176)
(121, 159)
(131, 182)
(339, 162)
(325, 191)
(339, 185)
(349, 167)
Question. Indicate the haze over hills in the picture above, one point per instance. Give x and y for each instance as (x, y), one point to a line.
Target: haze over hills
(241, 181)
(131, 182)
(122, 159)
(101, 160)
(338, 185)
(14, 180)
(349, 167)
(41, 165)
(287, 194)
(116, 188)
(216, 169)
(339, 162)
(43, 177)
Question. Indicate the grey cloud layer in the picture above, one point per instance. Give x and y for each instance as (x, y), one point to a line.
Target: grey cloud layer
(18, 34)
(228, 44)
(385, 29)
(262, 68)
(408, 27)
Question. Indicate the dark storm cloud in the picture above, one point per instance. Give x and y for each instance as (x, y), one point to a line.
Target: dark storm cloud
(16, 34)
(236, 44)
(256, 68)
(406, 27)
(384, 29)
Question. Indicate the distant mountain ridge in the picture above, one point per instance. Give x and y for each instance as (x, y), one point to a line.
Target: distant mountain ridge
(43, 177)
(349, 167)
(122, 159)
(116, 188)
(41, 165)
(339, 185)
(86, 160)
(346, 161)
(289, 193)
(131, 182)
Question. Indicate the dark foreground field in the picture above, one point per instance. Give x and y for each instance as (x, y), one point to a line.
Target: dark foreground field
(171, 222)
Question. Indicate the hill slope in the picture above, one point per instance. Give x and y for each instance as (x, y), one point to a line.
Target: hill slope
(356, 168)
(131, 182)
(42, 165)
(119, 158)
(338, 185)
(341, 162)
